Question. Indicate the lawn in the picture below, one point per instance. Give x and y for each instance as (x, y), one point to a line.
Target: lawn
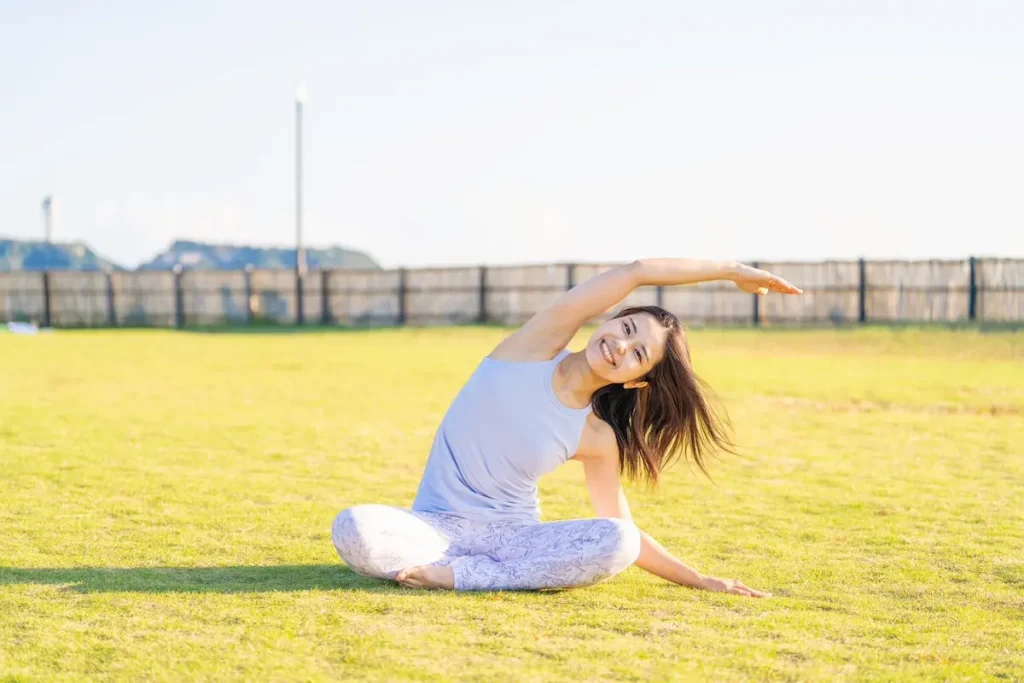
(167, 500)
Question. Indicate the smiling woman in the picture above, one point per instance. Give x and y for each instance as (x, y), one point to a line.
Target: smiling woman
(656, 406)
(625, 405)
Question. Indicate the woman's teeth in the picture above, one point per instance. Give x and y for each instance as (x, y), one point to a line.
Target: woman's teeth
(607, 353)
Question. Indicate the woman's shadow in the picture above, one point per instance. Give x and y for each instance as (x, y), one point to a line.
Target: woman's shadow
(276, 578)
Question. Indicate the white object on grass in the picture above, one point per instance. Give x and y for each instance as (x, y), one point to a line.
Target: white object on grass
(22, 328)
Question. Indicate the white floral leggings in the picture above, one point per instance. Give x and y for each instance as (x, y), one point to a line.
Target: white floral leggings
(381, 540)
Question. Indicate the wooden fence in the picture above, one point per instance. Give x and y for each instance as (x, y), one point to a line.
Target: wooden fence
(985, 290)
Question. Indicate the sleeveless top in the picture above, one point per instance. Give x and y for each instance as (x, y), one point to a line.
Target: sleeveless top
(504, 429)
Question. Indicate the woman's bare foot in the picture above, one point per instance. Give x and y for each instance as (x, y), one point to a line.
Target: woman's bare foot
(427, 576)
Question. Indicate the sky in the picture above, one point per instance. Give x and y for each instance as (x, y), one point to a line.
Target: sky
(445, 133)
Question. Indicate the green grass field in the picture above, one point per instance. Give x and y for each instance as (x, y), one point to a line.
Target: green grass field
(167, 500)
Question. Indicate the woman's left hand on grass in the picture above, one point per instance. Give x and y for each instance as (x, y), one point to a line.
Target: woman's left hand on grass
(734, 586)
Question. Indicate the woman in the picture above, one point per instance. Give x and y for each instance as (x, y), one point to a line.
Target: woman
(626, 404)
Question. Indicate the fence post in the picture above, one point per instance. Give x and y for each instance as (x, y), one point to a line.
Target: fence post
(179, 299)
(47, 311)
(111, 302)
(659, 296)
(570, 276)
(249, 312)
(972, 302)
(862, 303)
(300, 313)
(401, 296)
(757, 301)
(325, 297)
(482, 316)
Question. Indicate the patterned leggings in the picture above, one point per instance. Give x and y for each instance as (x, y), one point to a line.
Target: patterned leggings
(381, 540)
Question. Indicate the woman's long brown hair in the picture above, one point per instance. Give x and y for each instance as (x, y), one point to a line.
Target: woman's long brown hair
(671, 416)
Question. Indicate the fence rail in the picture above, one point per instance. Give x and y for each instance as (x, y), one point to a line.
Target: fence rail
(974, 289)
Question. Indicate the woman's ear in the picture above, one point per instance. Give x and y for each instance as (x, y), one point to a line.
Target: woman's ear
(635, 384)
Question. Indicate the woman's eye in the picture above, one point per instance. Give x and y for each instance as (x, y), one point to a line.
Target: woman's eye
(626, 328)
(638, 356)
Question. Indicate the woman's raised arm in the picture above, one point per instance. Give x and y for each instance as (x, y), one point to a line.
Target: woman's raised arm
(547, 332)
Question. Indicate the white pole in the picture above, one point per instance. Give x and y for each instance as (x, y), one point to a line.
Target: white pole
(300, 254)
(48, 217)
(300, 101)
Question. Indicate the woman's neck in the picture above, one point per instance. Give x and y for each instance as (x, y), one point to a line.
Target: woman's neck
(574, 382)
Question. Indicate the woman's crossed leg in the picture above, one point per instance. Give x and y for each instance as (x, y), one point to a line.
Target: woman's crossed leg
(437, 550)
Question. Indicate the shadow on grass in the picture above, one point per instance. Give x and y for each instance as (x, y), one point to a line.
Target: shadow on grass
(278, 578)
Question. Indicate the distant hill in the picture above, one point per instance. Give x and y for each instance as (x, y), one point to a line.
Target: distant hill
(31, 255)
(202, 256)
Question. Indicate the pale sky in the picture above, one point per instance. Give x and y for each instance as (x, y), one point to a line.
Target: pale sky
(520, 131)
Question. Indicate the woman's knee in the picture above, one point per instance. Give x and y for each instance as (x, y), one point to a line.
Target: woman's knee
(379, 540)
(355, 533)
(620, 543)
(345, 530)
(349, 523)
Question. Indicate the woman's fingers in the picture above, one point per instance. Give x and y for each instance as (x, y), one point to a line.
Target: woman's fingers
(752, 592)
(763, 282)
(780, 285)
(734, 587)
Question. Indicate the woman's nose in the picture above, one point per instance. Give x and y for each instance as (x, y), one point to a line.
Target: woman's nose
(620, 347)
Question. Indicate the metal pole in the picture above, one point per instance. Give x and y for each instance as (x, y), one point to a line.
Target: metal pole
(300, 254)
(111, 301)
(325, 297)
(972, 304)
(402, 292)
(47, 300)
(757, 302)
(248, 294)
(179, 298)
(482, 313)
(862, 295)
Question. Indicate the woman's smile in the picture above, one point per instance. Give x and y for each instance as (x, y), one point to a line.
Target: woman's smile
(607, 353)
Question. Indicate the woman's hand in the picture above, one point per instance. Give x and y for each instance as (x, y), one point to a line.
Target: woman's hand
(754, 281)
(734, 586)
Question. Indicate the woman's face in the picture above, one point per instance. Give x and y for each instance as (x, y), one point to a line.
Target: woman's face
(624, 350)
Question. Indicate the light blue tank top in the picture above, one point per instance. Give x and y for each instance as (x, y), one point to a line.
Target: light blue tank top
(504, 430)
